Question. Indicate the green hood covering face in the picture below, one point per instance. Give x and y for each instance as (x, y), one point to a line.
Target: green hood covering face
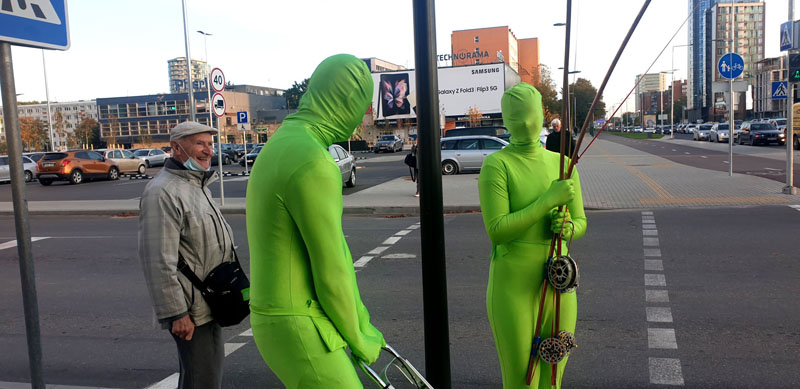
(522, 113)
(339, 92)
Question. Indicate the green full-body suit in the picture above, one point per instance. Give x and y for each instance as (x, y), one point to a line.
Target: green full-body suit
(304, 299)
(519, 193)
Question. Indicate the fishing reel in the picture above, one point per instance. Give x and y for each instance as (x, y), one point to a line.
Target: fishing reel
(562, 273)
(554, 350)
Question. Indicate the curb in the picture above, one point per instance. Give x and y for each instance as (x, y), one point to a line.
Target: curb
(351, 211)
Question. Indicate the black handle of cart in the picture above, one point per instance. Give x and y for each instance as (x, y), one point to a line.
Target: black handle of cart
(409, 371)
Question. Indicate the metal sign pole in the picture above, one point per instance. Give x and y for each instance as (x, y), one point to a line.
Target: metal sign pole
(789, 188)
(27, 275)
(434, 272)
(730, 108)
(47, 95)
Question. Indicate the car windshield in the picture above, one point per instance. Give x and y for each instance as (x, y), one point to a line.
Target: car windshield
(387, 137)
(705, 127)
(142, 153)
(257, 150)
(723, 127)
(54, 156)
(780, 122)
(762, 127)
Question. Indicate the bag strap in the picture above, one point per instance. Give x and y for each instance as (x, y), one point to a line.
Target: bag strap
(184, 268)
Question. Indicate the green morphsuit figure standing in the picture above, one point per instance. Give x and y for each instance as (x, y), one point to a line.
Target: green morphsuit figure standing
(305, 304)
(520, 193)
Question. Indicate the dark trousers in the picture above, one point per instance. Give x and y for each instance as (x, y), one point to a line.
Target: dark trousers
(201, 358)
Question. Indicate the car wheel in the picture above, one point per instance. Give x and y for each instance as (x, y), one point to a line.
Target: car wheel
(449, 167)
(113, 173)
(45, 181)
(226, 160)
(142, 169)
(352, 181)
(147, 163)
(76, 177)
(28, 176)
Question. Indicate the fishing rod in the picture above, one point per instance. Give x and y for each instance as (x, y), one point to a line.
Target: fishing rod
(637, 83)
(562, 272)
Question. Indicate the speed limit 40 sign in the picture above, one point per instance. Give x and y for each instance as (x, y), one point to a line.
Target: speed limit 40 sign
(217, 80)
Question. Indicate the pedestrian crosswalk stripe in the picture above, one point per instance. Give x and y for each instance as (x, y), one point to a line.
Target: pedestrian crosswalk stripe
(13, 243)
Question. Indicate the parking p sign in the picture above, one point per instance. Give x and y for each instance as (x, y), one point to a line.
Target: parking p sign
(241, 117)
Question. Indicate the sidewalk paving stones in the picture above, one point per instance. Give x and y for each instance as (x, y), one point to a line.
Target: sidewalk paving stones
(613, 176)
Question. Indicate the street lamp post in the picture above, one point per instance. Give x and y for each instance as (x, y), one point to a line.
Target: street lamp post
(672, 98)
(208, 75)
(189, 88)
(47, 96)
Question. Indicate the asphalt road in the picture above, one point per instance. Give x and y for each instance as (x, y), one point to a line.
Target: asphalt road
(729, 275)
(371, 170)
(762, 161)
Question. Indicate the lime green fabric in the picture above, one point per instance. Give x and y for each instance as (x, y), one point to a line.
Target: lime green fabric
(300, 264)
(519, 191)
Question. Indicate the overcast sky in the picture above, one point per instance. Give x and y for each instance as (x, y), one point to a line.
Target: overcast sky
(121, 47)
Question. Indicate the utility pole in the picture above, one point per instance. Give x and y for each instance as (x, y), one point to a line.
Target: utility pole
(790, 188)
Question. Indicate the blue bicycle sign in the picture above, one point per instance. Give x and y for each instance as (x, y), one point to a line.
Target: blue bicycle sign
(730, 65)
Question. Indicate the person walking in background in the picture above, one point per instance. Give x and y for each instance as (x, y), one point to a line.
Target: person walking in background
(304, 300)
(415, 177)
(519, 192)
(179, 219)
(554, 139)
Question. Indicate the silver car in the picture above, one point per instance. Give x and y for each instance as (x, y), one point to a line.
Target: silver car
(461, 153)
(28, 166)
(346, 163)
(702, 132)
(126, 160)
(152, 157)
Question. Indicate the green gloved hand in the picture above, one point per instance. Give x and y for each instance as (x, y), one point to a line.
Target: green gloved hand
(561, 223)
(370, 350)
(559, 193)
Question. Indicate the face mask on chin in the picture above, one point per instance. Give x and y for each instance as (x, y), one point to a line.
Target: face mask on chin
(192, 163)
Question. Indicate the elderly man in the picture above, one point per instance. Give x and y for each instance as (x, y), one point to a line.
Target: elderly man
(178, 218)
(554, 139)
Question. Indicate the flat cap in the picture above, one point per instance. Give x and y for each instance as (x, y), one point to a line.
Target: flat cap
(190, 128)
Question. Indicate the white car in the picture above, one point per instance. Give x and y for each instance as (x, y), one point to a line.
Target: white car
(28, 166)
(460, 153)
(346, 163)
(152, 157)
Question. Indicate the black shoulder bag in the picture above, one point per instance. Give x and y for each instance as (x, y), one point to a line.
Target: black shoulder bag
(226, 289)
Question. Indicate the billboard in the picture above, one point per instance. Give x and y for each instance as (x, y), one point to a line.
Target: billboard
(461, 87)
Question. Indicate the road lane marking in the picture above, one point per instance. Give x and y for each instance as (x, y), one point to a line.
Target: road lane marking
(666, 371)
(413, 227)
(13, 243)
(686, 152)
(402, 233)
(655, 280)
(704, 157)
(249, 332)
(659, 314)
(392, 240)
(25, 385)
(661, 338)
(769, 168)
(650, 241)
(663, 371)
(652, 252)
(363, 261)
(378, 250)
(170, 382)
(653, 265)
(795, 206)
(399, 256)
(656, 296)
(231, 347)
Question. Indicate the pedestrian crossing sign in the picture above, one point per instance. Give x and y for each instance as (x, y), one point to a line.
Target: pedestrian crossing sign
(787, 35)
(780, 90)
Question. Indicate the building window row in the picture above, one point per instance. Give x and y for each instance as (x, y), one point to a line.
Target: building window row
(152, 108)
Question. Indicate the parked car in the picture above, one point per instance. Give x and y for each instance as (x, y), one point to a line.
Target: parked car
(125, 160)
(239, 148)
(638, 130)
(461, 153)
(35, 157)
(346, 163)
(229, 149)
(75, 166)
(28, 168)
(388, 143)
(702, 131)
(226, 159)
(152, 157)
(719, 132)
(756, 133)
(496, 131)
(251, 156)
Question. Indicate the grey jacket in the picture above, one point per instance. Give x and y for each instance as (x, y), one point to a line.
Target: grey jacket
(177, 214)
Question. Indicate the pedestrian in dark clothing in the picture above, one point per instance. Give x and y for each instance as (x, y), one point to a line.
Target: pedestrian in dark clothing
(415, 177)
(553, 142)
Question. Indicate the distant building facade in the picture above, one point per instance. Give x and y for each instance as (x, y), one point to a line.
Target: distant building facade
(767, 71)
(377, 65)
(178, 75)
(71, 112)
(494, 45)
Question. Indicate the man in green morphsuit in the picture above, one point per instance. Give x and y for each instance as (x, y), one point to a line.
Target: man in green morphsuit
(519, 193)
(304, 299)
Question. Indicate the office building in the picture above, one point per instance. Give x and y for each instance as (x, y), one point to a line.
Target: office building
(494, 45)
(650, 83)
(697, 56)
(767, 71)
(376, 65)
(178, 75)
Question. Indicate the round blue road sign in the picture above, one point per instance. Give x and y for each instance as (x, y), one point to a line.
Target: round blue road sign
(730, 65)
